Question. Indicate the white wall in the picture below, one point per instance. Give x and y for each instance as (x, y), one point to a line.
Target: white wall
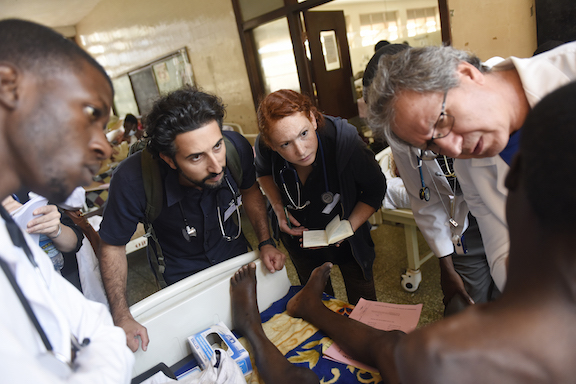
(126, 34)
(494, 27)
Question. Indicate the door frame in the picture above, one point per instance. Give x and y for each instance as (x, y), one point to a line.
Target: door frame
(291, 10)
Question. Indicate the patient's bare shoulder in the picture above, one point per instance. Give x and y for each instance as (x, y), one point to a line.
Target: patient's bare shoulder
(485, 344)
(434, 353)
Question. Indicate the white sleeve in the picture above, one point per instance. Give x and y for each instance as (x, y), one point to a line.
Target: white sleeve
(107, 359)
(482, 181)
(61, 309)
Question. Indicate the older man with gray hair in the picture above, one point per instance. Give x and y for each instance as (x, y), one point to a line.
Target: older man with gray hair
(444, 100)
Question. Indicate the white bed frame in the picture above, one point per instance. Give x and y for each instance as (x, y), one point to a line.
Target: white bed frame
(194, 304)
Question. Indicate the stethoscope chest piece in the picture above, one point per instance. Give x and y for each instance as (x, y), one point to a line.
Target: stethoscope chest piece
(425, 194)
(189, 232)
(327, 197)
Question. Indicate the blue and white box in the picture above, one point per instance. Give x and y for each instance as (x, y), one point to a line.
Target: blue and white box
(204, 343)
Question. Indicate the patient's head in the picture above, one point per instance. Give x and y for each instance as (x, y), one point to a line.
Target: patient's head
(548, 157)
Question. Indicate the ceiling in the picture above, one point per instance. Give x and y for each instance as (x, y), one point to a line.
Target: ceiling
(52, 13)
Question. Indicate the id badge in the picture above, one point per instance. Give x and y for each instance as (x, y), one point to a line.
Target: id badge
(232, 208)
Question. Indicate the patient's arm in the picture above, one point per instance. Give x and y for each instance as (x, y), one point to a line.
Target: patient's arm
(114, 268)
(362, 342)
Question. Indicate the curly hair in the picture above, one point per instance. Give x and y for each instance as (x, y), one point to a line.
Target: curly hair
(183, 110)
(283, 103)
(424, 69)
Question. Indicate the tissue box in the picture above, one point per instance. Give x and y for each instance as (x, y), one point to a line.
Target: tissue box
(219, 336)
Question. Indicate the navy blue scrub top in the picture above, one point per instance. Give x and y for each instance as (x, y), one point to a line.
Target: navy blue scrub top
(126, 205)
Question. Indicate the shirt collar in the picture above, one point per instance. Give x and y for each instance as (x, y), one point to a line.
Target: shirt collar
(174, 191)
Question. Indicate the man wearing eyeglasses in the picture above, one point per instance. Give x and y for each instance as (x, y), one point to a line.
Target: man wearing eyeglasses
(444, 100)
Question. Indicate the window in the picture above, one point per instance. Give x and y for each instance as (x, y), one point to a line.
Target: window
(137, 90)
(274, 49)
(422, 21)
(378, 26)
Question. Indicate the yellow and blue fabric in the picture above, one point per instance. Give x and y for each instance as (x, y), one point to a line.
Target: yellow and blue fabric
(303, 344)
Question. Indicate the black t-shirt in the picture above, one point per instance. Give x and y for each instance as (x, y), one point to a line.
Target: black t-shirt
(269, 162)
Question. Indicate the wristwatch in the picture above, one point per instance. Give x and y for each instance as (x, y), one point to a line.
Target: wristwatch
(270, 241)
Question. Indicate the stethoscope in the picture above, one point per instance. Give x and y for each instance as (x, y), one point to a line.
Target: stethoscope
(188, 232)
(327, 197)
(19, 241)
(424, 192)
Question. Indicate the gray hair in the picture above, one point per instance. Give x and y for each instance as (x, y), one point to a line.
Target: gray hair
(422, 70)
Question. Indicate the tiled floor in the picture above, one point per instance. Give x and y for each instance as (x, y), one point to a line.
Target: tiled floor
(389, 265)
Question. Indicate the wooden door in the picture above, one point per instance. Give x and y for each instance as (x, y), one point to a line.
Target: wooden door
(331, 67)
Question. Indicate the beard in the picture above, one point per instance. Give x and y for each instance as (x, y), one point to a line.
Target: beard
(202, 183)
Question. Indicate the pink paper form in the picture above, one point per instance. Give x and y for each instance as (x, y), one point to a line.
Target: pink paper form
(383, 316)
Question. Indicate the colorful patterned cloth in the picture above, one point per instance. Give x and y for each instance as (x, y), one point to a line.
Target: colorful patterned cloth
(303, 344)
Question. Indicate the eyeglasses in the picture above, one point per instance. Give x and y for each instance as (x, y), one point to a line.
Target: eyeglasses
(442, 127)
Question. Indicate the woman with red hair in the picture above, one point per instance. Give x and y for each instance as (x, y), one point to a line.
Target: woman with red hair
(313, 167)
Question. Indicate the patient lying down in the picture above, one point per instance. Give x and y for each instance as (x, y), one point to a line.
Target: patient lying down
(526, 336)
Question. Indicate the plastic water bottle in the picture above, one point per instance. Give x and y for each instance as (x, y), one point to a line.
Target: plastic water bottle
(55, 255)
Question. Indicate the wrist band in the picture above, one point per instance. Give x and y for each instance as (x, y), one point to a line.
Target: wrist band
(269, 241)
(59, 231)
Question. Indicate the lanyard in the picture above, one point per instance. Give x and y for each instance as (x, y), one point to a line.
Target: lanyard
(19, 241)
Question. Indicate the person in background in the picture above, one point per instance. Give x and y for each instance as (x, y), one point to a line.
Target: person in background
(312, 168)
(381, 44)
(132, 133)
(527, 335)
(444, 100)
(55, 101)
(58, 234)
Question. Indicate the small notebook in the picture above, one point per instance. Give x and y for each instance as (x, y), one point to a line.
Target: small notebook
(335, 231)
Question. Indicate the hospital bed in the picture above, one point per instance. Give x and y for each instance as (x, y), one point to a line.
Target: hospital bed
(194, 304)
(412, 277)
(199, 301)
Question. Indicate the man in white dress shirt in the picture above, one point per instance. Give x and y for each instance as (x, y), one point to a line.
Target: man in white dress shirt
(447, 101)
(55, 101)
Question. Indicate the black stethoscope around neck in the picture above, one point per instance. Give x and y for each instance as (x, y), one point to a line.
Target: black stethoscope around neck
(327, 197)
(56, 361)
(188, 232)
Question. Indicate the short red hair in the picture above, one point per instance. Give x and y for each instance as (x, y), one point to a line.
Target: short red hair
(283, 103)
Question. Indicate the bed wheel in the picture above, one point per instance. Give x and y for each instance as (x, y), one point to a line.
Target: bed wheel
(411, 280)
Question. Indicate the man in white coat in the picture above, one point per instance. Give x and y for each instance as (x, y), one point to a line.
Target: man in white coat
(55, 101)
(442, 215)
(444, 100)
